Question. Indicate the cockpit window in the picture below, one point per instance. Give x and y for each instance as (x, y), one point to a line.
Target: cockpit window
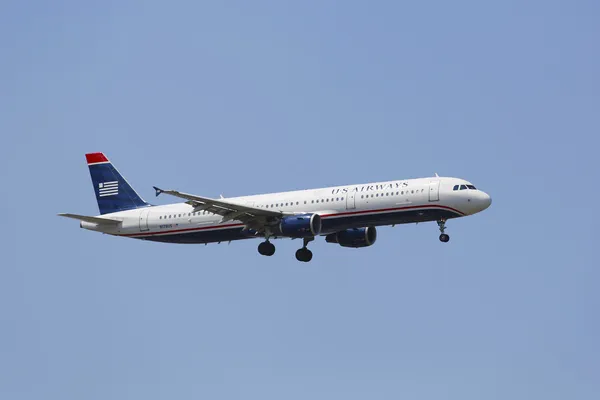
(463, 187)
(471, 187)
(456, 187)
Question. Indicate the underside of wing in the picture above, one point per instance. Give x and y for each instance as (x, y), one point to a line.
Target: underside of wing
(228, 210)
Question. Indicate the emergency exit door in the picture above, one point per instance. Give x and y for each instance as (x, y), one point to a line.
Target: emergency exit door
(350, 200)
(144, 219)
(434, 191)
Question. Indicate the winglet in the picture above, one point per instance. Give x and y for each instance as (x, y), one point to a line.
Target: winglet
(158, 191)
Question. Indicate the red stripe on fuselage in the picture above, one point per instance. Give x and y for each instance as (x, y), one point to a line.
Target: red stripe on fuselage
(390, 209)
(213, 227)
(343, 214)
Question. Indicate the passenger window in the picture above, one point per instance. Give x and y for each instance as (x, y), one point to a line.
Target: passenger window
(397, 193)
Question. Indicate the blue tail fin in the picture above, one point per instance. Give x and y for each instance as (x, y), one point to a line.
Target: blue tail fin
(112, 190)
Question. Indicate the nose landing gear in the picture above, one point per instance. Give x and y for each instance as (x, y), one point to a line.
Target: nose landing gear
(444, 238)
(304, 254)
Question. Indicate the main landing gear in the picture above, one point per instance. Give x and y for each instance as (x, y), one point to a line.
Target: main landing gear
(443, 237)
(304, 254)
(266, 248)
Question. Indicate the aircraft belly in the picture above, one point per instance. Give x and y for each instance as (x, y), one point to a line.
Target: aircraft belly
(392, 218)
(329, 225)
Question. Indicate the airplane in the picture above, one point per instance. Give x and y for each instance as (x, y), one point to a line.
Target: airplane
(345, 215)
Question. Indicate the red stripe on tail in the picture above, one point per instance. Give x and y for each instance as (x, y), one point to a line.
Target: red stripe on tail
(93, 158)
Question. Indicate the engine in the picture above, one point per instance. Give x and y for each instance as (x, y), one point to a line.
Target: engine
(356, 237)
(300, 226)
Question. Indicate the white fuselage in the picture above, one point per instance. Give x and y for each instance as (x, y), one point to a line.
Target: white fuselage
(340, 207)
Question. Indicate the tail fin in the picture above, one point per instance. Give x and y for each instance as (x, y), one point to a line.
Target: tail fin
(113, 193)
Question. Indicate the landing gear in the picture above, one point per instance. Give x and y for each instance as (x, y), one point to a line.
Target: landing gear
(266, 248)
(304, 254)
(444, 238)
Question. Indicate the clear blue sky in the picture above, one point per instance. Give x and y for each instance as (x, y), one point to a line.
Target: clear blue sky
(245, 97)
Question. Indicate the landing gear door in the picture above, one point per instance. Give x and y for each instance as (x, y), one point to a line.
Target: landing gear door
(351, 201)
(434, 190)
(144, 219)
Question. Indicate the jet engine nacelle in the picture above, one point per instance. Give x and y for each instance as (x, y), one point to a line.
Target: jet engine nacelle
(300, 226)
(356, 237)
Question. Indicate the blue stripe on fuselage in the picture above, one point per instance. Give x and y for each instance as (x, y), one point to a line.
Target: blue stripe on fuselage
(329, 225)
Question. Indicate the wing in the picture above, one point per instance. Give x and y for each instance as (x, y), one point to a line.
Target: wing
(228, 210)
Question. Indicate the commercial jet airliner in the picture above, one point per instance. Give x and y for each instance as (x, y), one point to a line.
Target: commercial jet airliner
(346, 215)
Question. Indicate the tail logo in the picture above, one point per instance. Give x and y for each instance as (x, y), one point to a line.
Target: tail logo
(108, 188)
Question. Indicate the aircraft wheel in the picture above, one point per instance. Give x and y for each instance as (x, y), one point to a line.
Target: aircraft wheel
(444, 238)
(304, 255)
(266, 249)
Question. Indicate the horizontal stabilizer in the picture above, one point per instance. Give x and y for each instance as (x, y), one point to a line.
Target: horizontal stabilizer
(93, 220)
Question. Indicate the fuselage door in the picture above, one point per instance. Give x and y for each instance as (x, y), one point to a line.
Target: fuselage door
(144, 219)
(434, 190)
(351, 200)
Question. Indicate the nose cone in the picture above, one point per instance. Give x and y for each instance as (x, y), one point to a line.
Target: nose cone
(484, 201)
